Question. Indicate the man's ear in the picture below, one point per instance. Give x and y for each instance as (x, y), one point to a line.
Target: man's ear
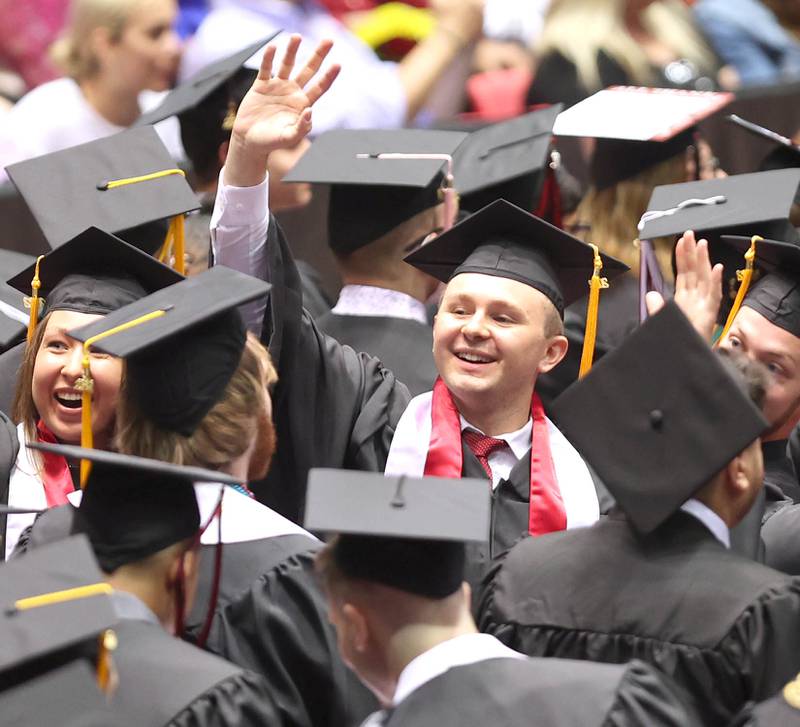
(556, 350)
(737, 481)
(356, 627)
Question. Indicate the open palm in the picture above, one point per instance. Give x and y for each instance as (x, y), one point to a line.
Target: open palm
(276, 112)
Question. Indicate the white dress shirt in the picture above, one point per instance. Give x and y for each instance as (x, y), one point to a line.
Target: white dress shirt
(239, 227)
(460, 651)
(710, 519)
(370, 300)
(503, 460)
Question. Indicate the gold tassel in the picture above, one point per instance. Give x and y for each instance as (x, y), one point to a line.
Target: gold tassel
(107, 644)
(744, 277)
(596, 284)
(179, 244)
(85, 384)
(34, 301)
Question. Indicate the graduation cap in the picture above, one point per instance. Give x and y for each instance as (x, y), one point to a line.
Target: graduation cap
(13, 314)
(776, 295)
(133, 507)
(404, 532)
(636, 127)
(375, 186)
(126, 184)
(786, 152)
(670, 414)
(504, 160)
(54, 609)
(192, 92)
(505, 241)
(94, 272)
(746, 204)
(182, 345)
(67, 696)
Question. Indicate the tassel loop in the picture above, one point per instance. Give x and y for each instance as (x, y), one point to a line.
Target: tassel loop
(34, 302)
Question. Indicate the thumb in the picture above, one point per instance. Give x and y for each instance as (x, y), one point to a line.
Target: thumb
(654, 302)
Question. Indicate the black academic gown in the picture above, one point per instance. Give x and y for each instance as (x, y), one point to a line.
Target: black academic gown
(270, 619)
(545, 693)
(726, 628)
(403, 346)
(165, 681)
(775, 712)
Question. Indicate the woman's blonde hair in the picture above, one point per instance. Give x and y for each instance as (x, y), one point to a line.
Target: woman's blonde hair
(609, 217)
(72, 52)
(23, 410)
(580, 29)
(224, 434)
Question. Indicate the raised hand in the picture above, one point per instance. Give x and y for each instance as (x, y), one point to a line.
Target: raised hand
(276, 112)
(698, 286)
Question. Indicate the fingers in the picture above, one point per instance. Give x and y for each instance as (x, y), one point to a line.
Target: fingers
(265, 70)
(314, 63)
(654, 302)
(287, 66)
(314, 92)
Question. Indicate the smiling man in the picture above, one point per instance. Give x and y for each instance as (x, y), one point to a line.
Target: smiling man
(509, 276)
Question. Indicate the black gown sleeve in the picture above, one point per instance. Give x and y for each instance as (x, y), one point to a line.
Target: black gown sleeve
(781, 536)
(241, 700)
(278, 627)
(645, 697)
(332, 407)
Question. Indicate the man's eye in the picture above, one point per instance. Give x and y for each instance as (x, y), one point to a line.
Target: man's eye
(775, 369)
(734, 342)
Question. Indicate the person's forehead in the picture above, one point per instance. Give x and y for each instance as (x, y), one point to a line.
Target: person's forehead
(762, 333)
(69, 319)
(494, 288)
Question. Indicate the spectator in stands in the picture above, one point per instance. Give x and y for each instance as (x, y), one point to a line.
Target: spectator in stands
(370, 93)
(115, 54)
(587, 45)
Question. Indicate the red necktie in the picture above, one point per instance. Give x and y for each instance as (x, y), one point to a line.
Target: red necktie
(482, 446)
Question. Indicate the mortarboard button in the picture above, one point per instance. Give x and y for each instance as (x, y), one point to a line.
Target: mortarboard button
(657, 419)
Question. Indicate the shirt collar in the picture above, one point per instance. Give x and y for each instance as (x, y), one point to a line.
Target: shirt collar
(710, 519)
(459, 651)
(519, 441)
(370, 300)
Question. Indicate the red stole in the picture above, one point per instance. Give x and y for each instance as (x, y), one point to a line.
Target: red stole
(546, 511)
(56, 477)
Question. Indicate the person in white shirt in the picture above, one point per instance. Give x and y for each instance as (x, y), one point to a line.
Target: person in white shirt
(118, 56)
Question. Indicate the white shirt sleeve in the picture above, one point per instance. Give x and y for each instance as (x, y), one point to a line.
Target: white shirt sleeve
(239, 227)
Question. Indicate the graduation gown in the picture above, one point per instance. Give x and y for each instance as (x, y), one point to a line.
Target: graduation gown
(270, 618)
(10, 361)
(726, 628)
(165, 681)
(547, 693)
(775, 712)
(404, 346)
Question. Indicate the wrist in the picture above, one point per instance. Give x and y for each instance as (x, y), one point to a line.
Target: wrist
(455, 37)
(246, 164)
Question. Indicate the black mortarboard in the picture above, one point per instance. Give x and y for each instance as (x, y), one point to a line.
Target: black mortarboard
(636, 127)
(670, 414)
(776, 295)
(66, 192)
(371, 196)
(744, 204)
(506, 241)
(788, 149)
(404, 532)
(179, 363)
(504, 160)
(95, 272)
(13, 315)
(195, 90)
(53, 607)
(133, 507)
